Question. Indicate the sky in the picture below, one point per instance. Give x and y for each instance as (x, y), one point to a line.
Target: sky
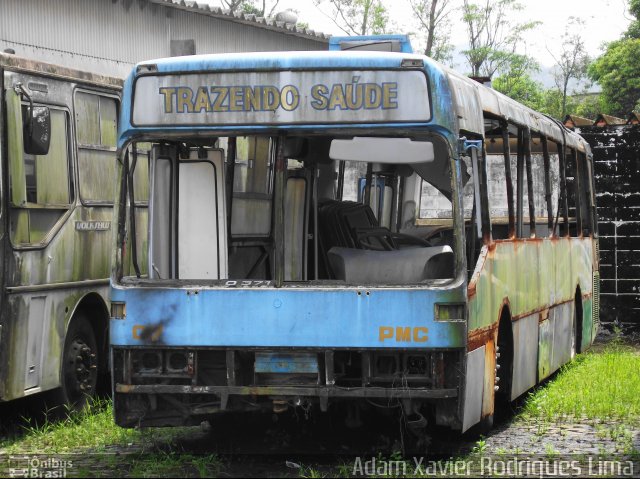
(605, 20)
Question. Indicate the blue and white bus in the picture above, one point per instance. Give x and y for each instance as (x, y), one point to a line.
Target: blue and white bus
(343, 227)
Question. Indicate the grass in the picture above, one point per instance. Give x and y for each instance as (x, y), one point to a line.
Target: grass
(92, 428)
(603, 386)
(100, 448)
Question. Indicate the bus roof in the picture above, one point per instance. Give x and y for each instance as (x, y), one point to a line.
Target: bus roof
(278, 61)
(20, 64)
(459, 99)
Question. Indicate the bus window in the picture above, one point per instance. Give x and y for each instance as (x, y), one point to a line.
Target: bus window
(541, 183)
(188, 239)
(434, 204)
(47, 185)
(353, 172)
(252, 187)
(96, 130)
(499, 176)
(200, 212)
(584, 194)
(572, 192)
(551, 182)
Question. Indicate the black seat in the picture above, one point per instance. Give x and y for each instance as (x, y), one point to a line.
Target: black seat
(348, 224)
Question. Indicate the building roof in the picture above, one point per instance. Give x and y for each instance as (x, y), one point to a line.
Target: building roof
(571, 121)
(244, 18)
(604, 120)
(601, 121)
(633, 118)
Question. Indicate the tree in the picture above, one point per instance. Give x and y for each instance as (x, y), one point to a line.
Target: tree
(256, 7)
(573, 61)
(589, 105)
(493, 38)
(232, 5)
(433, 20)
(633, 31)
(618, 73)
(517, 83)
(357, 17)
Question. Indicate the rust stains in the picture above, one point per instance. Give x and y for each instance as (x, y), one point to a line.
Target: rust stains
(487, 251)
(539, 310)
(482, 336)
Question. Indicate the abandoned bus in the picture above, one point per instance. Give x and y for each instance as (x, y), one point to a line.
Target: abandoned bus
(58, 148)
(340, 229)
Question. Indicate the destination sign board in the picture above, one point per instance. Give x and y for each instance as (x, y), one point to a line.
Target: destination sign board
(290, 97)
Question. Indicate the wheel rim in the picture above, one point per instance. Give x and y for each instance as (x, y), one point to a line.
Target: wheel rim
(81, 371)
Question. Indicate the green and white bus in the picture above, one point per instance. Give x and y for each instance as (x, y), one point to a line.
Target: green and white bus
(58, 149)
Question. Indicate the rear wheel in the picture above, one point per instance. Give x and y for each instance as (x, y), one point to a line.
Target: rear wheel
(79, 371)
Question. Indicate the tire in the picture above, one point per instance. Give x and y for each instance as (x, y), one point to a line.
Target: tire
(79, 367)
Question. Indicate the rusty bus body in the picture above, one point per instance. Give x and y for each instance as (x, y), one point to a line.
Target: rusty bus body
(400, 251)
(56, 220)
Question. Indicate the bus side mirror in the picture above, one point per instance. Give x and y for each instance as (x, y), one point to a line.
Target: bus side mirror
(36, 129)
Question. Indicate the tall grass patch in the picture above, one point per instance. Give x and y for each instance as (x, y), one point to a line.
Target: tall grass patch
(93, 429)
(596, 385)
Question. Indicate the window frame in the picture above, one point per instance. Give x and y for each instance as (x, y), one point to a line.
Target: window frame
(73, 189)
(80, 146)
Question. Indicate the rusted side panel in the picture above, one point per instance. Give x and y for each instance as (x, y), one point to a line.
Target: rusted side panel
(537, 279)
(525, 349)
(532, 274)
(489, 377)
(58, 310)
(545, 342)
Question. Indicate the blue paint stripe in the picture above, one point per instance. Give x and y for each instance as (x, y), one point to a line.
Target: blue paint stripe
(336, 318)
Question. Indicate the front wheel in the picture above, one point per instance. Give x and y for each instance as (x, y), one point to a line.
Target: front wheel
(79, 371)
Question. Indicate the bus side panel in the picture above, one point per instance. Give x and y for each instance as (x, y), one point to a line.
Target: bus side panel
(36, 325)
(474, 388)
(29, 344)
(525, 359)
(537, 280)
(555, 340)
(43, 283)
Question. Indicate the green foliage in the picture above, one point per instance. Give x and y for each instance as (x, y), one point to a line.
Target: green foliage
(552, 103)
(634, 28)
(522, 89)
(618, 73)
(493, 38)
(596, 385)
(587, 106)
(91, 428)
(174, 464)
(517, 83)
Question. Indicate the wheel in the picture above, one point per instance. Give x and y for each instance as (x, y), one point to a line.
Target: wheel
(79, 370)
